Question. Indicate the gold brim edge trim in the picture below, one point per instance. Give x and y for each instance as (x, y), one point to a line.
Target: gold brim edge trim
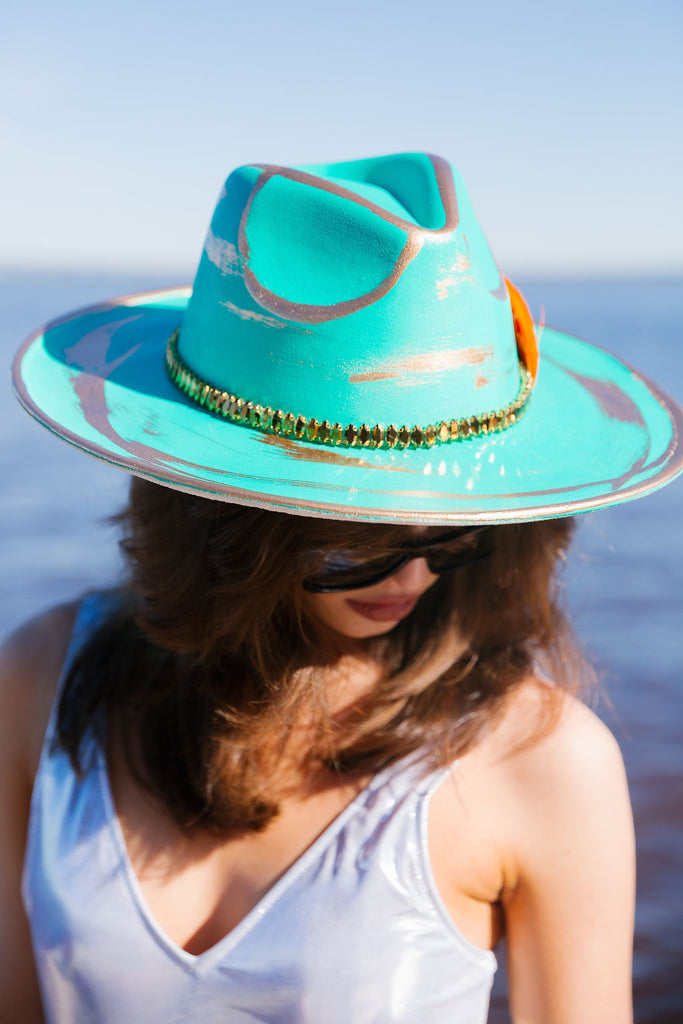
(244, 412)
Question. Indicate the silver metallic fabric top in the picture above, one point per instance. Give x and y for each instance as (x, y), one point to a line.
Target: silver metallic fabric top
(354, 932)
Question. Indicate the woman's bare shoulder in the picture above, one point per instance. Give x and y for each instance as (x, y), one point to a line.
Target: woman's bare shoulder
(552, 770)
(31, 660)
(552, 780)
(546, 752)
(543, 728)
(546, 763)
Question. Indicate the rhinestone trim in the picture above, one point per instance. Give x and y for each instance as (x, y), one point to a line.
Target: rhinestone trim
(289, 424)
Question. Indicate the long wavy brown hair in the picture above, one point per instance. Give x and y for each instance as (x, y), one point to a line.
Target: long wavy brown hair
(208, 660)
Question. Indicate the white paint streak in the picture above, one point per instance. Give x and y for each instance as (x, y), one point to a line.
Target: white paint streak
(247, 314)
(222, 253)
(459, 267)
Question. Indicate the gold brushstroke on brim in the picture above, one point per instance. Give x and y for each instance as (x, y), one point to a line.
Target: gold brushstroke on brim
(613, 402)
(334, 457)
(298, 506)
(671, 460)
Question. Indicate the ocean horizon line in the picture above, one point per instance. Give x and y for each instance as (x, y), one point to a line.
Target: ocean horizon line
(178, 276)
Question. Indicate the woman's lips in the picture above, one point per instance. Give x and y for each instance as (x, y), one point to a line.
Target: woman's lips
(384, 611)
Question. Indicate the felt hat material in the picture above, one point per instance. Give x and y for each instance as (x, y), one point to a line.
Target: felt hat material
(355, 295)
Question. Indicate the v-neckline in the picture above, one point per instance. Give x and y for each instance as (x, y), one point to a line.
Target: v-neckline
(200, 962)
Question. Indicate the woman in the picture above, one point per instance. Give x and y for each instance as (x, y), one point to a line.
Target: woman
(248, 805)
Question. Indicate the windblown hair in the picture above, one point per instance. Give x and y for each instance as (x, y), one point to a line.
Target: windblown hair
(209, 661)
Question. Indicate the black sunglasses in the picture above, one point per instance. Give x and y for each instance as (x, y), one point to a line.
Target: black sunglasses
(348, 570)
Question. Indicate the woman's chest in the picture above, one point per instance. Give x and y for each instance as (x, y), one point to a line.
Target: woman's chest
(199, 888)
(132, 921)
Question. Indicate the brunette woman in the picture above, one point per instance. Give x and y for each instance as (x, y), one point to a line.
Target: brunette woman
(324, 747)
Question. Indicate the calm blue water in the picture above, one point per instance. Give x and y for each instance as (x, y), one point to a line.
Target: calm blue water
(625, 581)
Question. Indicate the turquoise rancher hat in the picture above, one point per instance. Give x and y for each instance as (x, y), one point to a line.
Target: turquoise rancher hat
(350, 349)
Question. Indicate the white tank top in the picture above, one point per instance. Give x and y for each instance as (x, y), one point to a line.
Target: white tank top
(354, 932)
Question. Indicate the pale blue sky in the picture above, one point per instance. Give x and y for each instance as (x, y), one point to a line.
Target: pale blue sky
(119, 122)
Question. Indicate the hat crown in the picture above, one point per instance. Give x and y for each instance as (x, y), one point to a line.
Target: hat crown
(360, 292)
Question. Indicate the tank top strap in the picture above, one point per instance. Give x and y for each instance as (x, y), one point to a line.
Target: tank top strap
(91, 613)
(417, 775)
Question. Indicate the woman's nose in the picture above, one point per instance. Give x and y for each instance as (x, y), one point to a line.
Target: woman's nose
(415, 575)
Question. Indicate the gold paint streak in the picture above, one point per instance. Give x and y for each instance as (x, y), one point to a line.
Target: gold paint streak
(315, 314)
(225, 492)
(443, 286)
(427, 362)
(462, 263)
(246, 314)
(669, 464)
(480, 381)
(320, 314)
(501, 291)
(460, 267)
(336, 457)
(613, 402)
(442, 173)
(301, 312)
(446, 186)
(90, 351)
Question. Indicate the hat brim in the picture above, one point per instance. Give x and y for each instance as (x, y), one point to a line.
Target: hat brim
(596, 433)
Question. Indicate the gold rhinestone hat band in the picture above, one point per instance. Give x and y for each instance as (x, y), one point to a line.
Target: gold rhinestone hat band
(288, 424)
